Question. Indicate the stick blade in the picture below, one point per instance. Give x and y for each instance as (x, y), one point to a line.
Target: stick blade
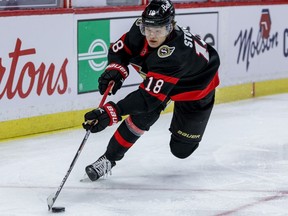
(50, 201)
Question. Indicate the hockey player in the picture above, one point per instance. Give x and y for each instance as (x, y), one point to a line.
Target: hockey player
(176, 65)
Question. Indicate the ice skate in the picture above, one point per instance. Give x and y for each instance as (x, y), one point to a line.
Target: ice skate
(99, 168)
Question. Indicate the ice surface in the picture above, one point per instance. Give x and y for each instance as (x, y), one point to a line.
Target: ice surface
(240, 168)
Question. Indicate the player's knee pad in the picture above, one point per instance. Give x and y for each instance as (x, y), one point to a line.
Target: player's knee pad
(145, 120)
(182, 149)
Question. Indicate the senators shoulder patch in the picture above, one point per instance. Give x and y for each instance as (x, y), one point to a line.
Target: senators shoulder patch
(165, 51)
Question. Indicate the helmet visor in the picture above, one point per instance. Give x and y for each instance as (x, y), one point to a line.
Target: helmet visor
(157, 31)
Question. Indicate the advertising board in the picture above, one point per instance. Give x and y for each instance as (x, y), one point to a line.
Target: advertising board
(256, 44)
(50, 64)
(36, 57)
(93, 45)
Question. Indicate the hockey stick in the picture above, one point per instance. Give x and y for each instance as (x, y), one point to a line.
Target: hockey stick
(52, 198)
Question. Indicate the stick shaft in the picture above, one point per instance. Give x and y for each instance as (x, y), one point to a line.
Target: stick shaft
(108, 90)
(51, 199)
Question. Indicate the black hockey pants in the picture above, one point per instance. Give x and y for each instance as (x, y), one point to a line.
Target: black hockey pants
(187, 127)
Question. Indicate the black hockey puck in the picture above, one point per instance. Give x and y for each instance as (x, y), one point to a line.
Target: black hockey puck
(58, 209)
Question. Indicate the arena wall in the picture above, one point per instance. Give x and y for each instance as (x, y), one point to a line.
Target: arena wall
(50, 60)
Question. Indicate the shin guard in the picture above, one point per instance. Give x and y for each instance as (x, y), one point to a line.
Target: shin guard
(123, 139)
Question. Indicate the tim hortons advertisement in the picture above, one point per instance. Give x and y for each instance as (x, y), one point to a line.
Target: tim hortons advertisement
(257, 45)
(34, 65)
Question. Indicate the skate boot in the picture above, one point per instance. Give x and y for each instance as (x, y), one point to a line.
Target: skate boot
(99, 168)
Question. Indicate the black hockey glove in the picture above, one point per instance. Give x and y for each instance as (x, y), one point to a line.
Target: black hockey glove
(115, 72)
(98, 119)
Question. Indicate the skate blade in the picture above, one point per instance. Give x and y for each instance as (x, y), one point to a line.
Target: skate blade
(85, 178)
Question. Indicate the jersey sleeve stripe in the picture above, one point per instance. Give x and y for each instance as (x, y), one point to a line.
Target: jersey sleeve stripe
(197, 94)
(160, 96)
(127, 50)
(158, 76)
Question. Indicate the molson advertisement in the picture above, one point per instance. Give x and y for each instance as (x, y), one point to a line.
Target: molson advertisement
(257, 45)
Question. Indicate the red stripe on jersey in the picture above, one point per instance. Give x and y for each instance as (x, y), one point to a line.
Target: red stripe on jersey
(127, 50)
(121, 140)
(197, 94)
(158, 76)
(160, 96)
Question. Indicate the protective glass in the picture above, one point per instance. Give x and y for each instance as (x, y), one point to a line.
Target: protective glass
(156, 31)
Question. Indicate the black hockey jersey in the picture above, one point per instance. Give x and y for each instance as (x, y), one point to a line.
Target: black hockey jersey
(183, 68)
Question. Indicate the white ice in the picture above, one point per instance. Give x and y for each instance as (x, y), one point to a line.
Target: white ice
(240, 168)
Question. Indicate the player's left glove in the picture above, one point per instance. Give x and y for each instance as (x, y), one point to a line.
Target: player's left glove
(113, 72)
(102, 117)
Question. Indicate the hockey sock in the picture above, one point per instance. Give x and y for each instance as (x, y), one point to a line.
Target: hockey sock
(123, 139)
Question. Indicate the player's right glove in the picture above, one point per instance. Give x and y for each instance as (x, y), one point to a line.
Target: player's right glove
(102, 117)
(115, 72)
